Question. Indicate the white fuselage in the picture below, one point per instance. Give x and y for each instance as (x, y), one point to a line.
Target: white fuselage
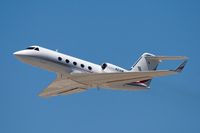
(61, 63)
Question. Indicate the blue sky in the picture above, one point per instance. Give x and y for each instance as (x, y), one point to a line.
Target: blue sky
(100, 31)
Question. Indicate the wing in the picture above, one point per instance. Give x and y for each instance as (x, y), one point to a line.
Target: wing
(62, 86)
(107, 79)
(77, 82)
(100, 79)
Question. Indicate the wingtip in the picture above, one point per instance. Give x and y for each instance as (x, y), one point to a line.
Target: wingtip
(185, 58)
(181, 67)
(40, 95)
(43, 95)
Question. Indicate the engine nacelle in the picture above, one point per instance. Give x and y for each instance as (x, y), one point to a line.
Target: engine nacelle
(107, 67)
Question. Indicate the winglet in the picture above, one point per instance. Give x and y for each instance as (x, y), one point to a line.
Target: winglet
(181, 67)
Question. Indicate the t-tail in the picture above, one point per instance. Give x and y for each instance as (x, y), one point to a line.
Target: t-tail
(150, 62)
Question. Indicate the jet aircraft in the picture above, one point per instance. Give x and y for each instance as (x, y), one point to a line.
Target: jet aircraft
(76, 75)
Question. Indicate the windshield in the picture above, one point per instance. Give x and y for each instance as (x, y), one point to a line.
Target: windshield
(31, 48)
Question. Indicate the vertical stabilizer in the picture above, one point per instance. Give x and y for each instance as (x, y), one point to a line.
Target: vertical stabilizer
(145, 64)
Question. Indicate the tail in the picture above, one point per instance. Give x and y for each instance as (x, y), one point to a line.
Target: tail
(149, 62)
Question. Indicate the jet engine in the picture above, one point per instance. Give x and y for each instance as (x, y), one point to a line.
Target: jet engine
(107, 67)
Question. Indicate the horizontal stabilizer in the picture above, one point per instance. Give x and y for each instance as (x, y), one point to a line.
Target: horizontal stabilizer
(166, 57)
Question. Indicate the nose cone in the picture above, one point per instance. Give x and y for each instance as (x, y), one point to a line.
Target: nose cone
(18, 53)
(21, 55)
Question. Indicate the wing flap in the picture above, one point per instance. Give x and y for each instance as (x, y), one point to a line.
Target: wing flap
(71, 91)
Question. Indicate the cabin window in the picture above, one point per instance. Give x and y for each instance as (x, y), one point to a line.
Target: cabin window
(67, 61)
(90, 68)
(104, 66)
(74, 63)
(37, 49)
(59, 58)
(82, 66)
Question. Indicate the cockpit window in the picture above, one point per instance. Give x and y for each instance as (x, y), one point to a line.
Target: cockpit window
(30, 48)
(104, 66)
(33, 48)
(37, 49)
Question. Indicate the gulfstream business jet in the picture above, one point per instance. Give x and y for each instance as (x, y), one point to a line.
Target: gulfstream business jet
(75, 75)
